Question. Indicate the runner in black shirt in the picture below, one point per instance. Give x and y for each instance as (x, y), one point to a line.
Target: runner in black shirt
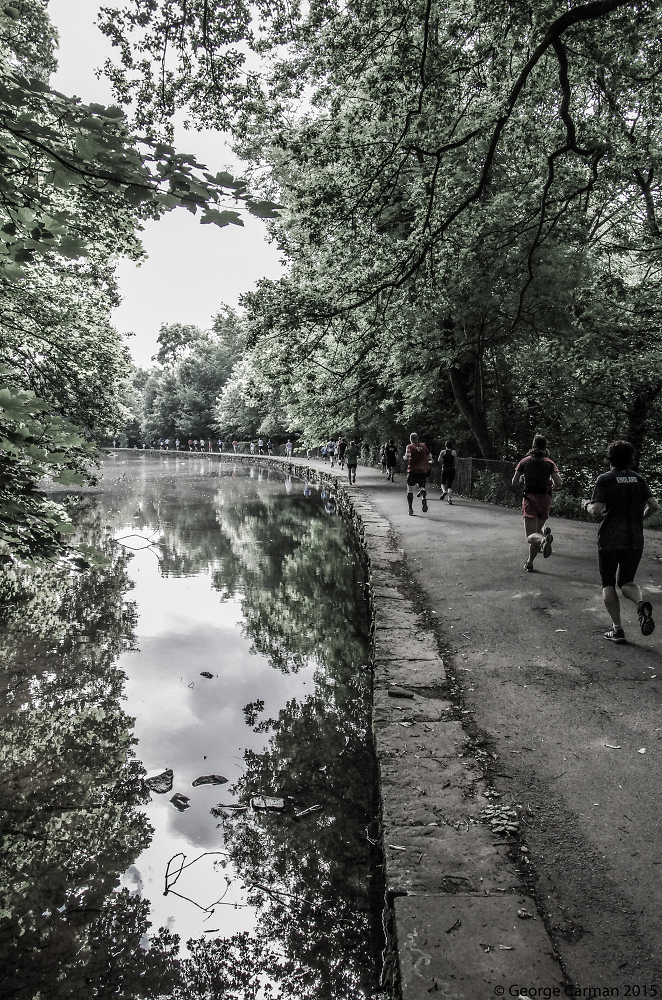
(391, 457)
(447, 460)
(621, 499)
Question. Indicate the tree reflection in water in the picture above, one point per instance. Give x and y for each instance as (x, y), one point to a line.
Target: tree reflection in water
(72, 786)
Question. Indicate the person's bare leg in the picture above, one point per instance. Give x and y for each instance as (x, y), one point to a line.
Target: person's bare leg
(533, 531)
(612, 603)
(449, 494)
(633, 592)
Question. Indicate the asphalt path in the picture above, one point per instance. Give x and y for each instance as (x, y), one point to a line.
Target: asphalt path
(574, 719)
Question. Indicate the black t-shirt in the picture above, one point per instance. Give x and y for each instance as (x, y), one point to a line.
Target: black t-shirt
(624, 493)
(537, 473)
(391, 454)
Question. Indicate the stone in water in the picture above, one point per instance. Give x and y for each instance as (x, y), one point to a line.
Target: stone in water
(267, 802)
(209, 779)
(180, 802)
(161, 782)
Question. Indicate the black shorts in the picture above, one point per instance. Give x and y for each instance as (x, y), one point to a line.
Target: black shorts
(626, 561)
(447, 477)
(416, 478)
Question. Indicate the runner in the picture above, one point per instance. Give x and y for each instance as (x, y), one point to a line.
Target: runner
(252, 447)
(341, 448)
(351, 457)
(447, 460)
(167, 444)
(235, 444)
(190, 444)
(391, 456)
(260, 446)
(288, 448)
(382, 455)
(540, 475)
(417, 456)
(622, 500)
(324, 455)
(210, 444)
(270, 447)
(331, 451)
(177, 444)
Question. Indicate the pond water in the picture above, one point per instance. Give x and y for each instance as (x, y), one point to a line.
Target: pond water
(225, 637)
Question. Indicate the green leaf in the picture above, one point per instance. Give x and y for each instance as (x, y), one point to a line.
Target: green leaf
(264, 209)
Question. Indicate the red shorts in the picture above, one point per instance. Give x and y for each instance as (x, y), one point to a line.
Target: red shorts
(536, 505)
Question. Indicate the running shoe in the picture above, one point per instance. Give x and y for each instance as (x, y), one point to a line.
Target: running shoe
(420, 491)
(645, 615)
(528, 566)
(411, 512)
(546, 544)
(615, 634)
(424, 506)
(443, 495)
(451, 503)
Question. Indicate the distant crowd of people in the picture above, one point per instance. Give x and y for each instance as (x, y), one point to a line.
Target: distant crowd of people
(207, 445)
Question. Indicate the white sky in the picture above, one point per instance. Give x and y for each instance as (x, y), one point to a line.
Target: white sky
(192, 269)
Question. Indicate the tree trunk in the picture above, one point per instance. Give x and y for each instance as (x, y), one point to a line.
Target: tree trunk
(638, 421)
(471, 414)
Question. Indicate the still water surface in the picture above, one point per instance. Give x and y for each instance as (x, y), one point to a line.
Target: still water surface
(249, 576)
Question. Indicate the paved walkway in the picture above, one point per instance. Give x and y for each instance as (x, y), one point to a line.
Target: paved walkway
(567, 712)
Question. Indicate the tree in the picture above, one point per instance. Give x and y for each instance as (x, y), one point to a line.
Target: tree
(75, 184)
(447, 165)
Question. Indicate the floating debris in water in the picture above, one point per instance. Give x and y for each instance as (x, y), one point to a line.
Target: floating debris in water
(205, 673)
(218, 809)
(160, 782)
(308, 811)
(267, 802)
(209, 779)
(180, 802)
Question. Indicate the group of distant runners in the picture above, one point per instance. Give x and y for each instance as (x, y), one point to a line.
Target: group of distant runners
(258, 447)
(621, 499)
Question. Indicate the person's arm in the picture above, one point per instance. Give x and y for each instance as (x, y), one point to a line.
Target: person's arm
(593, 507)
(556, 479)
(598, 502)
(651, 506)
(517, 478)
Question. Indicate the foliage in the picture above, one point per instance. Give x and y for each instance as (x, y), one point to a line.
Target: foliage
(75, 184)
(34, 443)
(178, 396)
(471, 198)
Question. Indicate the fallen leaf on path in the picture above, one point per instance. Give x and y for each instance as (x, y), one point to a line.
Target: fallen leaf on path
(505, 947)
(394, 847)
(643, 750)
(524, 914)
(560, 630)
(611, 746)
(458, 923)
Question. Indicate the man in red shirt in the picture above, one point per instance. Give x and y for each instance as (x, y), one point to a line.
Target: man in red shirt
(418, 458)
